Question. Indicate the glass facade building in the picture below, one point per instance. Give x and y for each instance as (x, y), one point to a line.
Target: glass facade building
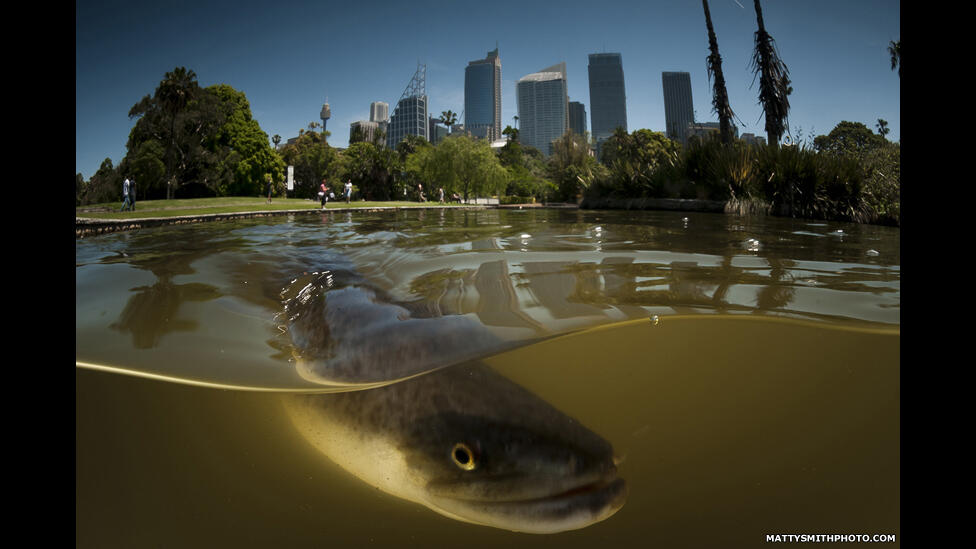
(410, 115)
(409, 118)
(379, 111)
(436, 132)
(483, 96)
(577, 117)
(543, 107)
(679, 112)
(608, 98)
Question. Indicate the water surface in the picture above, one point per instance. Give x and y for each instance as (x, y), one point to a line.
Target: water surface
(204, 301)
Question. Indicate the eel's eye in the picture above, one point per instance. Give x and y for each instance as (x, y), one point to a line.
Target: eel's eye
(463, 456)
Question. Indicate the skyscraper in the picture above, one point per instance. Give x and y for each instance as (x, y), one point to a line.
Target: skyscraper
(679, 111)
(379, 111)
(577, 117)
(363, 130)
(608, 99)
(543, 107)
(483, 96)
(410, 116)
(436, 132)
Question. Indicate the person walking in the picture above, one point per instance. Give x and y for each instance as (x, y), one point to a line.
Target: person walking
(323, 194)
(440, 195)
(348, 190)
(125, 195)
(268, 189)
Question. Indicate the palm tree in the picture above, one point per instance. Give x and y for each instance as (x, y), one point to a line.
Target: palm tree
(883, 129)
(894, 48)
(176, 90)
(512, 133)
(720, 96)
(774, 82)
(448, 118)
(276, 139)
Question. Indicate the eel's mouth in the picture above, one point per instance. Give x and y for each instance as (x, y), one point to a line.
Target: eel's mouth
(610, 484)
(572, 508)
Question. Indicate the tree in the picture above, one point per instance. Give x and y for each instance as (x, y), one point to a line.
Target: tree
(527, 171)
(511, 153)
(240, 148)
(850, 138)
(468, 166)
(79, 188)
(409, 144)
(313, 160)
(180, 116)
(422, 166)
(202, 137)
(571, 166)
(146, 165)
(371, 170)
(104, 186)
(448, 118)
(883, 128)
(276, 139)
(379, 138)
(511, 133)
(720, 96)
(774, 82)
(894, 48)
(633, 159)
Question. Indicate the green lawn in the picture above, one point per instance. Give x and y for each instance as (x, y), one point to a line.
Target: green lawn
(197, 206)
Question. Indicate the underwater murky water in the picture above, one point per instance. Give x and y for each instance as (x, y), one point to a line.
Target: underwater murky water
(745, 373)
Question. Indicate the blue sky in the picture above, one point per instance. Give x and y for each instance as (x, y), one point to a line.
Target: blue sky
(289, 56)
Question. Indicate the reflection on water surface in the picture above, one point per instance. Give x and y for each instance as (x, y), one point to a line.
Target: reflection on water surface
(764, 400)
(204, 301)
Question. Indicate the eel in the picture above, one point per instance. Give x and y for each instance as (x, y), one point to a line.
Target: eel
(421, 418)
(469, 444)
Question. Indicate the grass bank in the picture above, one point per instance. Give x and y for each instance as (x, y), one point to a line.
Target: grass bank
(226, 205)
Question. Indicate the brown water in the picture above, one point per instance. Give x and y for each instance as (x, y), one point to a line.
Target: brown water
(747, 372)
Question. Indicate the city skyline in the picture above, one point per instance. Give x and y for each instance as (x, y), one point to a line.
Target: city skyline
(288, 58)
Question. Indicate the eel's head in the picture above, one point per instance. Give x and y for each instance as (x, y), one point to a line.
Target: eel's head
(512, 476)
